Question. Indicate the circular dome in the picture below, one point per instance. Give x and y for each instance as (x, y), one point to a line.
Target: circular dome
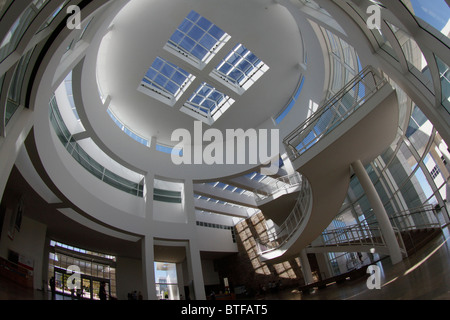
(265, 28)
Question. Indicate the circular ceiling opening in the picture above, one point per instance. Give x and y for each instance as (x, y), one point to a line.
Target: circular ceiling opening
(235, 61)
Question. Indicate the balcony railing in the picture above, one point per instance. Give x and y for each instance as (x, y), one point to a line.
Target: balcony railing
(359, 235)
(279, 185)
(338, 108)
(274, 240)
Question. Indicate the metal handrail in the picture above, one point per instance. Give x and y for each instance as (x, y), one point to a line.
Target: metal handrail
(131, 187)
(291, 224)
(277, 185)
(358, 235)
(333, 112)
(405, 220)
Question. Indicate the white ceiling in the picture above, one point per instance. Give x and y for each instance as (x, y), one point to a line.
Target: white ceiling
(142, 28)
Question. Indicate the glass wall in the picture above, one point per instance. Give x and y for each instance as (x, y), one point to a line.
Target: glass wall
(19, 28)
(88, 162)
(93, 267)
(166, 281)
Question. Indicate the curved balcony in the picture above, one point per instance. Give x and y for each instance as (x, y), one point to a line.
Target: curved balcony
(278, 187)
(357, 123)
(270, 245)
(335, 111)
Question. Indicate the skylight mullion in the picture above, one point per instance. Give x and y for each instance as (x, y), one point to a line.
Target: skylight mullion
(166, 79)
(197, 40)
(155, 84)
(239, 69)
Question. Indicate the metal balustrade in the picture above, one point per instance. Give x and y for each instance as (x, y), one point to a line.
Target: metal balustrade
(358, 235)
(281, 184)
(368, 234)
(331, 114)
(274, 240)
(87, 161)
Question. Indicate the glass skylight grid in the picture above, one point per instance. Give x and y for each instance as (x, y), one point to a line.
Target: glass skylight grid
(240, 69)
(207, 103)
(165, 81)
(197, 39)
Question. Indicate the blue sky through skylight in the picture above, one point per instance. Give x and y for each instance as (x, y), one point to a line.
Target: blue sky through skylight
(239, 64)
(166, 76)
(208, 100)
(196, 36)
(240, 69)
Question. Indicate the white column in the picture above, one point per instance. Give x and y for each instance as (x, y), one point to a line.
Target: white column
(148, 271)
(306, 268)
(194, 261)
(148, 196)
(380, 212)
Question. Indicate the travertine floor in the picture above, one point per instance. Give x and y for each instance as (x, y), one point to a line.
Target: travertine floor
(424, 276)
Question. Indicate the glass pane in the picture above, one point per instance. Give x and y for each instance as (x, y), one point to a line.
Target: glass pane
(444, 74)
(436, 12)
(419, 131)
(166, 281)
(18, 29)
(197, 37)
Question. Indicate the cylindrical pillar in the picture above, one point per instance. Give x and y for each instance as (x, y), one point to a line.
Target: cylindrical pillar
(306, 268)
(380, 212)
(148, 269)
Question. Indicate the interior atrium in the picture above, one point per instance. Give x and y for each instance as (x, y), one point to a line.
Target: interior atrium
(171, 149)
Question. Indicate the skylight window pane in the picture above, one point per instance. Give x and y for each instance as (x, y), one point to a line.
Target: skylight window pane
(165, 81)
(197, 40)
(207, 103)
(196, 33)
(240, 69)
(193, 16)
(216, 32)
(204, 23)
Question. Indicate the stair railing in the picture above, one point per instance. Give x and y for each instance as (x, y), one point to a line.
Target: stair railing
(274, 240)
(358, 235)
(278, 185)
(333, 112)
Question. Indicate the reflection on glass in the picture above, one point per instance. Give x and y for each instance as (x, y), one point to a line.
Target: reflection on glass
(444, 75)
(436, 13)
(166, 281)
(19, 28)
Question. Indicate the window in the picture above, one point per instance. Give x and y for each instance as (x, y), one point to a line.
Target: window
(166, 281)
(197, 40)
(94, 267)
(165, 81)
(434, 172)
(240, 69)
(207, 104)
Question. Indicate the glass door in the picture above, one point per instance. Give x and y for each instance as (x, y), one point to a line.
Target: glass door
(96, 288)
(166, 281)
(86, 287)
(59, 282)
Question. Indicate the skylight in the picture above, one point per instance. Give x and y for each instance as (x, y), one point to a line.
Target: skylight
(165, 81)
(240, 69)
(207, 104)
(197, 40)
